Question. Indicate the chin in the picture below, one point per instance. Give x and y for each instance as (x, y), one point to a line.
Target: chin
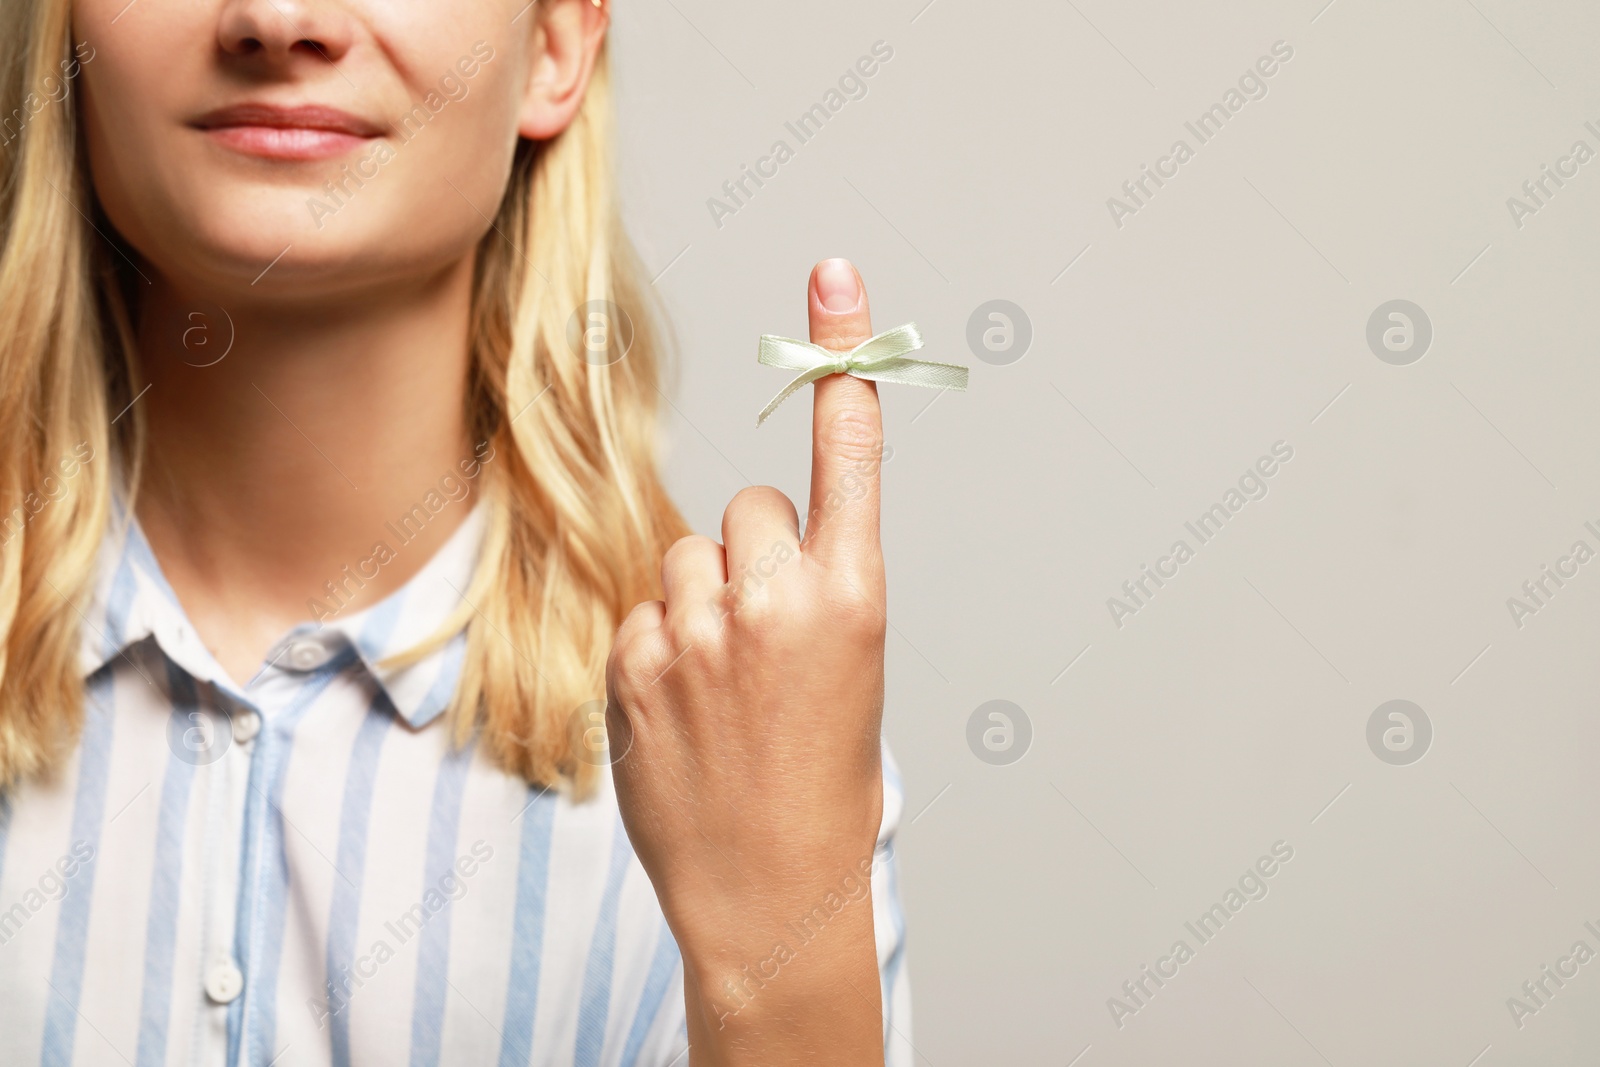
(255, 243)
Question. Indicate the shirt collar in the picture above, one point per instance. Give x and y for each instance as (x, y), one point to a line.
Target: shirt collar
(133, 601)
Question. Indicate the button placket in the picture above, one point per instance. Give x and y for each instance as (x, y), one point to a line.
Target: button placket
(222, 980)
(257, 844)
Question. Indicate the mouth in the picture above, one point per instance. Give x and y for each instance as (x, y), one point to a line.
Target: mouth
(292, 134)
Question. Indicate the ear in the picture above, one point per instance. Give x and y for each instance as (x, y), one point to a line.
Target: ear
(566, 40)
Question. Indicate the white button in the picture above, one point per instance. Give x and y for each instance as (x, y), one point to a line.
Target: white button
(246, 725)
(306, 655)
(224, 982)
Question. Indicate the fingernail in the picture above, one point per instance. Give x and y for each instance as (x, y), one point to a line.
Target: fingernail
(837, 287)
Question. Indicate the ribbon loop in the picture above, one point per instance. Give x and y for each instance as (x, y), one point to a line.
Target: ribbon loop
(880, 359)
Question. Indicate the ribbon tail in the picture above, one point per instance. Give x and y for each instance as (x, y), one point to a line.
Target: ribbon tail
(804, 379)
(921, 372)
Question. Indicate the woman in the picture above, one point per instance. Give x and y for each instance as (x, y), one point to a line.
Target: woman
(332, 537)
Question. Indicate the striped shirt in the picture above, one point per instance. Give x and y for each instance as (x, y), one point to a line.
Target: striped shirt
(303, 871)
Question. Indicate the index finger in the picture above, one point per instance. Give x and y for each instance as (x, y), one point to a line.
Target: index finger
(846, 424)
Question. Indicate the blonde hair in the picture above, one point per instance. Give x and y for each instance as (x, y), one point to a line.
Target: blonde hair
(577, 515)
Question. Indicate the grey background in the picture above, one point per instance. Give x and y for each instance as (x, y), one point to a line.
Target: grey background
(1228, 314)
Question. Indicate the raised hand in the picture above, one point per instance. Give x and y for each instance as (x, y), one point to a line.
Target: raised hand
(747, 709)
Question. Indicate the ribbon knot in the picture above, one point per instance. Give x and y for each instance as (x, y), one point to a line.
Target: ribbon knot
(881, 359)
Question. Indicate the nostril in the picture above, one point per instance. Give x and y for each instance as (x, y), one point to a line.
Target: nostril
(261, 30)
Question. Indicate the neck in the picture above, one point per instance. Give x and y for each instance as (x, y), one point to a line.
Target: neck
(272, 469)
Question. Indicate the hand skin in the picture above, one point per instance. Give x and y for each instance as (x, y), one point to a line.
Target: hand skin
(747, 716)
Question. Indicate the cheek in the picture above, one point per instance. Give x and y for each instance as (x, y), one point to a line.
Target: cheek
(446, 177)
(124, 98)
(472, 138)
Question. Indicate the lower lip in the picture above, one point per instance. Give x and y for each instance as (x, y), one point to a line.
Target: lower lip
(295, 143)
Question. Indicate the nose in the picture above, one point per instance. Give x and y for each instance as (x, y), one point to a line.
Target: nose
(279, 30)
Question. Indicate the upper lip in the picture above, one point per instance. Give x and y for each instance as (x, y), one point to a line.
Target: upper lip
(301, 117)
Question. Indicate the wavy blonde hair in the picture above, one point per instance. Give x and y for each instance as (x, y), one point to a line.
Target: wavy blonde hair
(578, 517)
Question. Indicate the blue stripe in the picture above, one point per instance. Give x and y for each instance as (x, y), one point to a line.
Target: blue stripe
(527, 930)
(891, 969)
(663, 966)
(378, 627)
(161, 924)
(72, 929)
(118, 605)
(264, 875)
(344, 914)
(444, 686)
(601, 967)
(433, 954)
(891, 866)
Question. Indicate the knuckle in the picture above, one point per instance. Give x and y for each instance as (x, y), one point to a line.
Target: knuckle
(756, 610)
(758, 498)
(684, 548)
(639, 621)
(858, 603)
(759, 579)
(622, 672)
(697, 632)
(637, 645)
(853, 434)
(624, 668)
(867, 627)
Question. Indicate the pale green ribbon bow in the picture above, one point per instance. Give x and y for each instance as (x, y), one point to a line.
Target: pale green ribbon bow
(882, 359)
